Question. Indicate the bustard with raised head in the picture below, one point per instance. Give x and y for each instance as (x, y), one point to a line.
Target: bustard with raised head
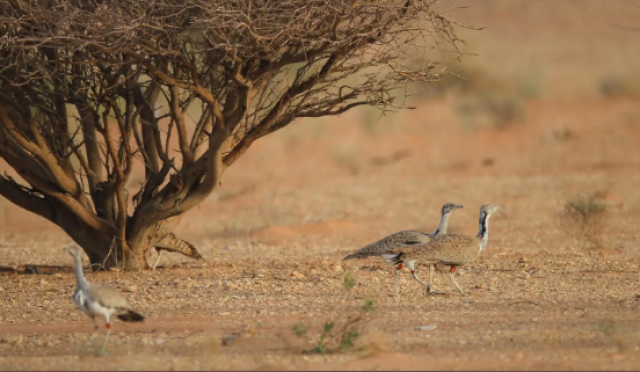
(97, 300)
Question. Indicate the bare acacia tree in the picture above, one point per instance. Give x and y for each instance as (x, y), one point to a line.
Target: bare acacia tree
(83, 82)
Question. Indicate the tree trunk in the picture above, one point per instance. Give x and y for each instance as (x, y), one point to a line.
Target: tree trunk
(96, 243)
(142, 239)
(102, 250)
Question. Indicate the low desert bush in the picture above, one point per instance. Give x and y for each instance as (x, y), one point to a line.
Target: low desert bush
(583, 217)
(495, 111)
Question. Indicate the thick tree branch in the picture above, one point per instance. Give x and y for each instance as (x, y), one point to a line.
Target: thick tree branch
(178, 116)
(88, 118)
(23, 198)
(41, 150)
(148, 122)
(121, 216)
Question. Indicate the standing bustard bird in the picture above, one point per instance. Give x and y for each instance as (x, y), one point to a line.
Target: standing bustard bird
(96, 300)
(450, 249)
(406, 240)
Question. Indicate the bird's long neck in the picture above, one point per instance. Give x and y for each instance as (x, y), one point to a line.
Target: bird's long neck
(81, 280)
(444, 224)
(483, 233)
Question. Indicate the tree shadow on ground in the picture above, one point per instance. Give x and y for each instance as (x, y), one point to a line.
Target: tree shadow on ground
(29, 269)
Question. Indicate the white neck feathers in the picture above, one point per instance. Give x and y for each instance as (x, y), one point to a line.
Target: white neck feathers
(81, 280)
(444, 224)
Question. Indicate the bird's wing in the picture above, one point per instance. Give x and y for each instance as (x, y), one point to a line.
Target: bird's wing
(108, 297)
(399, 240)
(449, 248)
(409, 237)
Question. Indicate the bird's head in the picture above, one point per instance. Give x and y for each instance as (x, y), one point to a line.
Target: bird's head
(490, 209)
(450, 207)
(74, 250)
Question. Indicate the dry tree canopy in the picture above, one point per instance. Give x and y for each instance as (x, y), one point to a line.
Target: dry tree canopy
(89, 88)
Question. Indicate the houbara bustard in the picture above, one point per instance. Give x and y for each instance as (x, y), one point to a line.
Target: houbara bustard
(406, 240)
(453, 250)
(97, 300)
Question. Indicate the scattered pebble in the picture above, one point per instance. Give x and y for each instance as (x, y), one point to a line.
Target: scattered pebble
(429, 327)
(297, 274)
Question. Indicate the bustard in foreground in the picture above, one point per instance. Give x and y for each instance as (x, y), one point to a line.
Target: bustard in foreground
(450, 249)
(96, 300)
(407, 239)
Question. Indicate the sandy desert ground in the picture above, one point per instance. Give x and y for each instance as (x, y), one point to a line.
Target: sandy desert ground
(274, 234)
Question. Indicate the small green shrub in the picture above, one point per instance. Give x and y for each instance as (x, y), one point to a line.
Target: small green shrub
(300, 329)
(348, 281)
(614, 332)
(338, 335)
(368, 305)
(348, 339)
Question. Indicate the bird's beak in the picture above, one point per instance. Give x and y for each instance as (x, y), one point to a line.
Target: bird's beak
(459, 206)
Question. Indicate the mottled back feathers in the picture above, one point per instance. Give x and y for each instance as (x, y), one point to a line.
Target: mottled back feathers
(450, 249)
(110, 298)
(402, 239)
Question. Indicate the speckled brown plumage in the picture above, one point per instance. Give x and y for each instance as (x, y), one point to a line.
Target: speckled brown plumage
(450, 249)
(402, 239)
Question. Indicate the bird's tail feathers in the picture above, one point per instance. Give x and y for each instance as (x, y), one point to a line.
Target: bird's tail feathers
(130, 316)
(368, 251)
(353, 256)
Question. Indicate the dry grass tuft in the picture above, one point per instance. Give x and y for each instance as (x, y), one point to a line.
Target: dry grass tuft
(613, 332)
(583, 217)
(496, 111)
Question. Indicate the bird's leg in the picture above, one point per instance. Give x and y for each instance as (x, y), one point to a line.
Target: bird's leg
(413, 273)
(106, 339)
(95, 331)
(454, 281)
(157, 259)
(411, 267)
(432, 269)
(396, 274)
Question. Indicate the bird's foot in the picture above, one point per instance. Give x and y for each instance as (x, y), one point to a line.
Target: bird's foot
(431, 291)
(86, 347)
